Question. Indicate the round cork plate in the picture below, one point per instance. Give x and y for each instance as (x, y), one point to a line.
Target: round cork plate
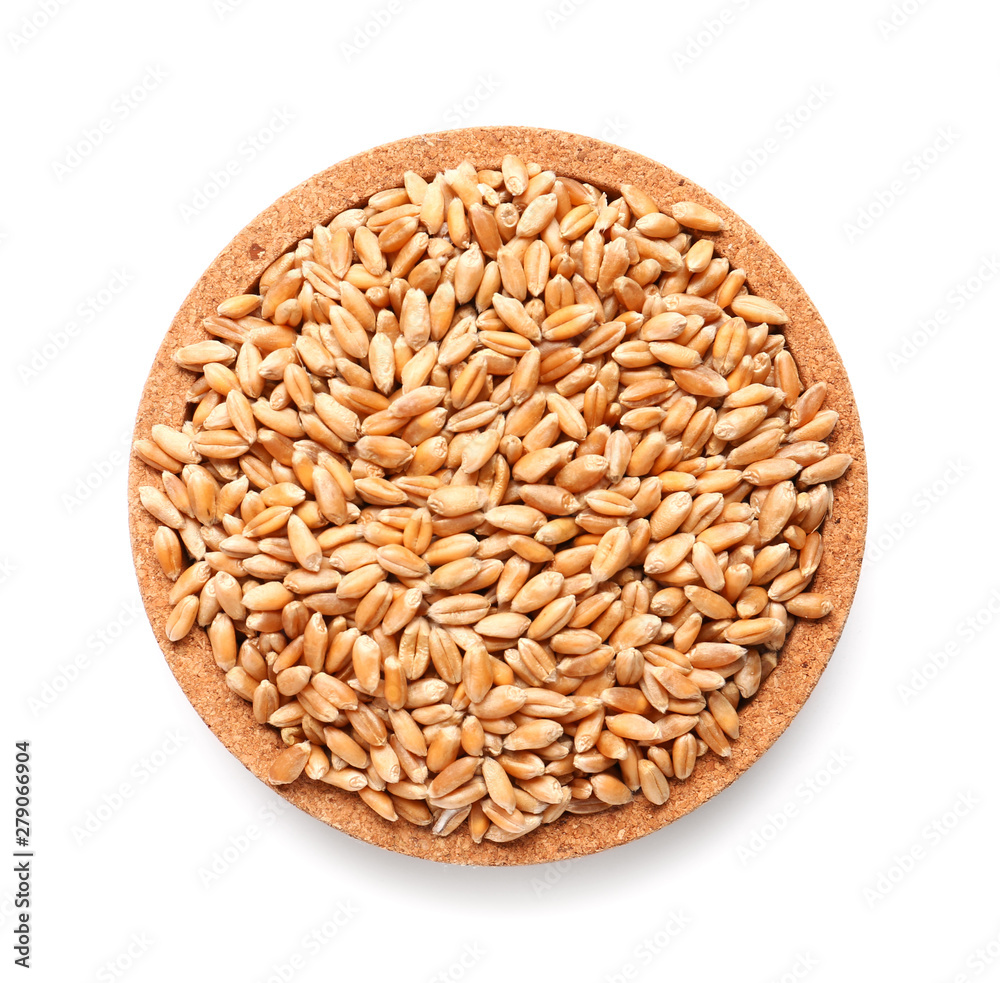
(350, 183)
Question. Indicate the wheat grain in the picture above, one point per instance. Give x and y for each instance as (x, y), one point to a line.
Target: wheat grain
(498, 498)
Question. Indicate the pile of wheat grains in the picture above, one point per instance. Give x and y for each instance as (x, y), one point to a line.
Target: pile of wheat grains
(497, 499)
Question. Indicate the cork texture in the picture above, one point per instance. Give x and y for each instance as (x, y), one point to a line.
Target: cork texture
(349, 184)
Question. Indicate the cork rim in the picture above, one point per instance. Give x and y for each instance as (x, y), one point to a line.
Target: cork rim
(345, 184)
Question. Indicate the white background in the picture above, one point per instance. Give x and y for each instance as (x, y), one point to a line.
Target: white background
(858, 138)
